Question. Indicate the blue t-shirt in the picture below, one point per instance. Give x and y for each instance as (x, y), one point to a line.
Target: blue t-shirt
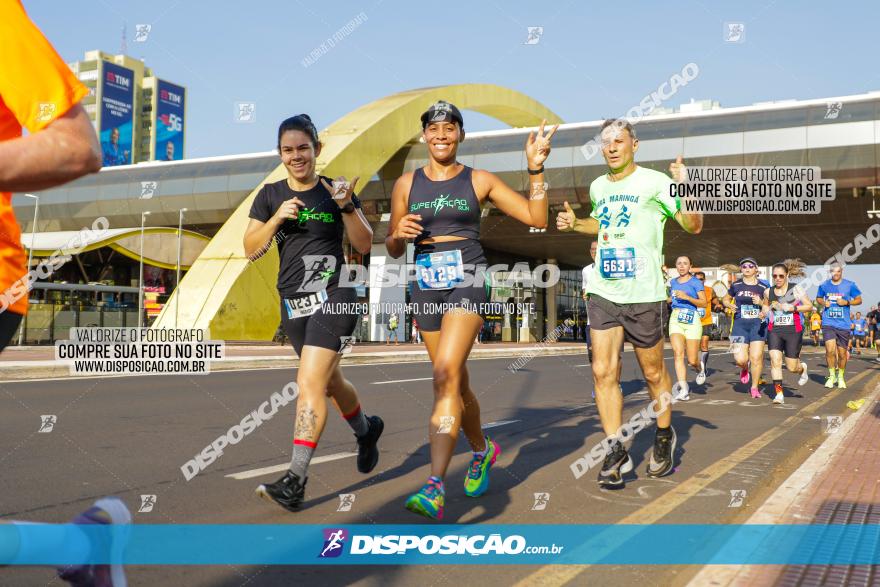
(833, 315)
(691, 287)
(859, 325)
(742, 293)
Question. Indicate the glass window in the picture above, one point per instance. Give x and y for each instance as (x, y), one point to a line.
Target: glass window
(777, 118)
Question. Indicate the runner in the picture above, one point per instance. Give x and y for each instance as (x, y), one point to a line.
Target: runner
(706, 322)
(630, 206)
(749, 329)
(874, 329)
(586, 273)
(784, 302)
(859, 330)
(307, 222)
(685, 328)
(815, 327)
(836, 295)
(438, 206)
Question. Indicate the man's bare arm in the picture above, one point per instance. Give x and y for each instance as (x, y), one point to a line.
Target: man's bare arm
(63, 151)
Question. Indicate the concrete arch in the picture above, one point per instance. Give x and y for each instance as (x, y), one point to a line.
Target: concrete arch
(237, 299)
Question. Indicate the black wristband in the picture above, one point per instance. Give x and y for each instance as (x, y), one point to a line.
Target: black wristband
(348, 208)
(536, 171)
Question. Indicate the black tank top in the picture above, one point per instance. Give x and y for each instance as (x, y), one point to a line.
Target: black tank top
(785, 298)
(772, 297)
(448, 208)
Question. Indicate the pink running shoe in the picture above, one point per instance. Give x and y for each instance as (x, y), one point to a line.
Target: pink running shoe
(756, 393)
(744, 376)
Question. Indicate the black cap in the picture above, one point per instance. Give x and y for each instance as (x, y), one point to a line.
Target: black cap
(442, 111)
(748, 260)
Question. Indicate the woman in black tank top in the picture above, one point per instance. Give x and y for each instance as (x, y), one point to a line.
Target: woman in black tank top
(786, 303)
(438, 208)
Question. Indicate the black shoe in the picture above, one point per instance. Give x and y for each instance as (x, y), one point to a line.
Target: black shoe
(616, 464)
(368, 452)
(662, 456)
(288, 492)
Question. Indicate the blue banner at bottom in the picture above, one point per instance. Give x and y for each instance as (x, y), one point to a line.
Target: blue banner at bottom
(801, 544)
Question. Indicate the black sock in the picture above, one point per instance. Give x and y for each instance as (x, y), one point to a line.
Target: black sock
(704, 357)
(664, 431)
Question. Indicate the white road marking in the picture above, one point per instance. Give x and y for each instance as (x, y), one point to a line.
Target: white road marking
(576, 408)
(499, 423)
(401, 380)
(283, 467)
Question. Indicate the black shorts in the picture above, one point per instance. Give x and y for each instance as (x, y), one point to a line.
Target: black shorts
(787, 340)
(707, 330)
(642, 323)
(429, 305)
(9, 322)
(326, 327)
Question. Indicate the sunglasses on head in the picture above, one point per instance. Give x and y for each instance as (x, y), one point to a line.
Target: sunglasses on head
(748, 266)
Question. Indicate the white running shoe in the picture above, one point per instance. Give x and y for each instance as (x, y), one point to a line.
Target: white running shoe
(804, 377)
(683, 393)
(779, 399)
(701, 376)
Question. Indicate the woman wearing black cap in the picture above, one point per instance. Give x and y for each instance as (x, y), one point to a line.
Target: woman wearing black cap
(438, 207)
(749, 330)
(307, 217)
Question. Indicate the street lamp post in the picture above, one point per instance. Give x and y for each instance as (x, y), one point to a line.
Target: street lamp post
(30, 254)
(177, 283)
(141, 274)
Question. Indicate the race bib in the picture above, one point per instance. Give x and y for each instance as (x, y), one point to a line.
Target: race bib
(701, 312)
(441, 270)
(685, 316)
(783, 319)
(749, 311)
(305, 306)
(832, 309)
(618, 263)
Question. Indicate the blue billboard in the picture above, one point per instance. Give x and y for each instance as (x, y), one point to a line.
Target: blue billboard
(168, 124)
(117, 114)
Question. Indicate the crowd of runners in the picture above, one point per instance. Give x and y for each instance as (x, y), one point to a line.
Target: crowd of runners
(438, 208)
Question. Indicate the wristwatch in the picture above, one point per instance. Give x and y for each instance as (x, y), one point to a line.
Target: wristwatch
(348, 208)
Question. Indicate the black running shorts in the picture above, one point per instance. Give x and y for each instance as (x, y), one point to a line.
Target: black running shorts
(326, 327)
(429, 305)
(642, 323)
(9, 322)
(787, 340)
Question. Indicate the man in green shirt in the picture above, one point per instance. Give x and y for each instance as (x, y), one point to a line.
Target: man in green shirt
(630, 206)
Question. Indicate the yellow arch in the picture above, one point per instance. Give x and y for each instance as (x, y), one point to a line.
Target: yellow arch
(237, 299)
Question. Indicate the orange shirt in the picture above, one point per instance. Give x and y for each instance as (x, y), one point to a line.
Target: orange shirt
(706, 320)
(36, 87)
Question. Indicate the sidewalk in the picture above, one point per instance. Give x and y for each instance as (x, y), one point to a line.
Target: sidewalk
(838, 484)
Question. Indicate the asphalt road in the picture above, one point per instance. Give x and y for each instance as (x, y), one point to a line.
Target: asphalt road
(129, 436)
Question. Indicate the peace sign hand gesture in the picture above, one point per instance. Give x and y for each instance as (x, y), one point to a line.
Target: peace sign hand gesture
(341, 190)
(538, 146)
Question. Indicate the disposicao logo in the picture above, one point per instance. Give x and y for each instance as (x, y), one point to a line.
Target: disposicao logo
(334, 542)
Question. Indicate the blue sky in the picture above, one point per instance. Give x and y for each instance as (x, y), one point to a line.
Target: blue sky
(593, 60)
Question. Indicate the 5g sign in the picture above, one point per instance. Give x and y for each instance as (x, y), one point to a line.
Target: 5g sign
(175, 123)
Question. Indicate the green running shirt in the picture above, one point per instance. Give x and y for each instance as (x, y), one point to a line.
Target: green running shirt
(631, 213)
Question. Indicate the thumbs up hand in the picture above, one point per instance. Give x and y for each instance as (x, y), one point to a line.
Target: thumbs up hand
(566, 219)
(677, 170)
